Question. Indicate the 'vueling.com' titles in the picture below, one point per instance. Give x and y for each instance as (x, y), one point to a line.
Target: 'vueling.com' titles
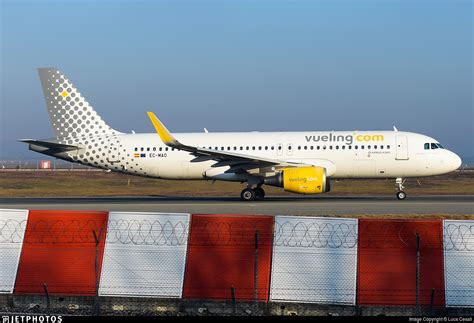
(348, 139)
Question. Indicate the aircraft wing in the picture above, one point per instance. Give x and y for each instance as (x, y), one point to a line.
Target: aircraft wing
(235, 160)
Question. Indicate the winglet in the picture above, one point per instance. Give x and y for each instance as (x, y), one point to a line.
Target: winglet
(164, 133)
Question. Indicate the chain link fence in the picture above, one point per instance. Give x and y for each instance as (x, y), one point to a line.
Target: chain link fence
(145, 255)
(459, 262)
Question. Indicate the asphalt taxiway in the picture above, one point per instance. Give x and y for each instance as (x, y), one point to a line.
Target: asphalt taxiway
(283, 205)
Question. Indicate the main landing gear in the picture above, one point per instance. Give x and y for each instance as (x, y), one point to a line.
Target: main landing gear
(401, 195)
(255, 194)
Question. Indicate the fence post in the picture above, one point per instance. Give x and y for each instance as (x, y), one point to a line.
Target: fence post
(97, 300)
(417, 274)
(432, 300)
(232, 294)
(255, 271)
(48, 302)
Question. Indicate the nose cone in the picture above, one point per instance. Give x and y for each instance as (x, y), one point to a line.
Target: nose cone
(455, 161)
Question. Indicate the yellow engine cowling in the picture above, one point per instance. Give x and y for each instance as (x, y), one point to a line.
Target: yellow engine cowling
(305, 180)
(302, 180)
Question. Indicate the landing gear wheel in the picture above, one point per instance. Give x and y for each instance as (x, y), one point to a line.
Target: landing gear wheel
(259, 193)
(401, 195)
(247, 194)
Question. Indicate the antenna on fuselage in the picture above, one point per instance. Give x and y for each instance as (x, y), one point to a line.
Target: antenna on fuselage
(395, 128)
(205, 130)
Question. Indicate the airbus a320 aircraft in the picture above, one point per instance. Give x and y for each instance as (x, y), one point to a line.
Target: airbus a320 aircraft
(299, 162)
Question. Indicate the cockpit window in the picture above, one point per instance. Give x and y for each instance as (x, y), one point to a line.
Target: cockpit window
(433, 145)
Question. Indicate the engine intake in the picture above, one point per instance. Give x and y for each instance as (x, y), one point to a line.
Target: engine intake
(302, 180)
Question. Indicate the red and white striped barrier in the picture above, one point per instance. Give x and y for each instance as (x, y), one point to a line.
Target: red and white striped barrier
(245, 257)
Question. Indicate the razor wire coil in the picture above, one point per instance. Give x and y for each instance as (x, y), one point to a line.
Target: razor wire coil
(315, 235)
(459, 237)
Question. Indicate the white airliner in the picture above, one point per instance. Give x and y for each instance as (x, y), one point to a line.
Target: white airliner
(300, 162)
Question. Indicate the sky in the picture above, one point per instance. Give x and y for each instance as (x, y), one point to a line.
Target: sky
(244, 66)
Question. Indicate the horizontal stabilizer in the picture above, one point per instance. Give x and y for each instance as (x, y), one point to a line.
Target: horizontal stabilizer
(50, 145)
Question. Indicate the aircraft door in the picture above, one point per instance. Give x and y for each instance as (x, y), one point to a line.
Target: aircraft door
(401, 148)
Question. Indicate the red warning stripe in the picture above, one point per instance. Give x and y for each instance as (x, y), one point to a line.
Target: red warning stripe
(59, 250)
(222, 254)
(387, 262)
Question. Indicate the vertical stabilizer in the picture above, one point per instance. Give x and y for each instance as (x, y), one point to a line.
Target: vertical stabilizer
(72, 117)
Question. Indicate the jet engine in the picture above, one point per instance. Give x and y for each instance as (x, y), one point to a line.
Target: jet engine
(302, 180)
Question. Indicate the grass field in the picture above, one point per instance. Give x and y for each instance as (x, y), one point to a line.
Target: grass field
(99, 183)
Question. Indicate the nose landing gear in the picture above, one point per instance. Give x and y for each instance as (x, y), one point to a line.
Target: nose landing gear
(401, 195)
(249, 194)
